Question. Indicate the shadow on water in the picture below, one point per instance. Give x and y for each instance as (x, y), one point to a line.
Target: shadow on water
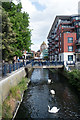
(37, 98)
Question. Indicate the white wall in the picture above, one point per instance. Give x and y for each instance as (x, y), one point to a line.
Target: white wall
(7, 83)
(64, 57)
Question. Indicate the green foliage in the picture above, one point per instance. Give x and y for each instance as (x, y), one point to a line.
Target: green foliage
(15, 93)
(74, 78)
(23, 84)
(19, 25)
(6, 113)
(8, 37)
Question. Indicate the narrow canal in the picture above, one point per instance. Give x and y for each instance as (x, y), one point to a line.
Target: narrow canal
(38, 97)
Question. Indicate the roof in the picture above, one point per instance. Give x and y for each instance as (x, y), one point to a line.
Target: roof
(62, 17)
(43, 43)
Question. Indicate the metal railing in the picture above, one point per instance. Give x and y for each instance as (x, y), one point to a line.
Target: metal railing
(47, 63)
(8, 68)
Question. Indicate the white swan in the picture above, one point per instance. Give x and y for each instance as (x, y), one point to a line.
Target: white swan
(53, 110)
(52, 92)
(49, 81)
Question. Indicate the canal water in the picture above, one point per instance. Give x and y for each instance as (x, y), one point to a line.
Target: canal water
(38, 97)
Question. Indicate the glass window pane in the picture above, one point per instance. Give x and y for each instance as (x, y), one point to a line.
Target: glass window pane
(70, 57)
(70, 39)
(70, 48)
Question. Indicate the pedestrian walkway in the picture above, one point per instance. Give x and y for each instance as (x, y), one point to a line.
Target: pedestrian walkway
(58, 66)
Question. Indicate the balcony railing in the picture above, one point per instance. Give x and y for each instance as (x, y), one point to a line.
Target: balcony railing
(50, 41)
(56, 45)
(53, 48)
(77, 50)
(77, 42)
(53, 43)
(56, 39)
(56, 52)
(50, 50)
(52, 36)
(65, 21)
(52, 53)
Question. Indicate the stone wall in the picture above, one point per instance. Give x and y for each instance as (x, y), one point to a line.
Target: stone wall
(12, 80)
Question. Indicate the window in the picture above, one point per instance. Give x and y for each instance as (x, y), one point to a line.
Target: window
(70, 57)
(67, 32)
(70, 48)
(70, 39)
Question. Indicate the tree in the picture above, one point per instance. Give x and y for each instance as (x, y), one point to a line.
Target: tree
(8, 37)
(20, 25)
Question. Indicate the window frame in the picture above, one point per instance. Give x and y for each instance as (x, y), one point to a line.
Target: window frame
(70, 41)
(69, 50)
(70, 59)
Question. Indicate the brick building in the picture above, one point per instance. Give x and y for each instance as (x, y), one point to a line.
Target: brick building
(64, 39)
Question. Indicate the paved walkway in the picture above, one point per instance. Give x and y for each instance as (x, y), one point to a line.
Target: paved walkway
(58, 66)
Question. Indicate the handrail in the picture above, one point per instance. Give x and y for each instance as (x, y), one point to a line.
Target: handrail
(8, 68)
(47, 63)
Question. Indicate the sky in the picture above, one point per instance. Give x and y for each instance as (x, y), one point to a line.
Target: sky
(42, 14)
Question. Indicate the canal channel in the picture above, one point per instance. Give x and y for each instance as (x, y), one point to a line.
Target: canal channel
(38, 97)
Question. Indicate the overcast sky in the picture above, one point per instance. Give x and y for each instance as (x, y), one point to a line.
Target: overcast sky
(42, 14)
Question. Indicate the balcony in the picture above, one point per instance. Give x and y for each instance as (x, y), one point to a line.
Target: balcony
(50, 50)
(53, 48)
(52, 53)
(52, 36)
(50, 45)
(68, 22)
(49, 40)
(56, 39)
(53, 43)
(77, 42)
(56, 52)
(77, 50)
(57, 45)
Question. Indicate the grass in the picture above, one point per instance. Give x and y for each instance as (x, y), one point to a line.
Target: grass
(10, 103)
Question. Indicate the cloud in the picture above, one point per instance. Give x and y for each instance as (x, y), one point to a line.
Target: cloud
(38, 6)
(41, 19)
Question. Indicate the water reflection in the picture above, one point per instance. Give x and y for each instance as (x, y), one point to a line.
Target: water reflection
(36, 100)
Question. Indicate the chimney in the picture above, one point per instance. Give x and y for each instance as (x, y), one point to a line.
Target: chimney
(79, 7)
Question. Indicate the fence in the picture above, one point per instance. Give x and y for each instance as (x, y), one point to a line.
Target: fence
(8, 68)
(55, 63)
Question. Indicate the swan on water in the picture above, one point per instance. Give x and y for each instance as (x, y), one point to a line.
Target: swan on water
(53, 110)
(49, 80)
(52, 92)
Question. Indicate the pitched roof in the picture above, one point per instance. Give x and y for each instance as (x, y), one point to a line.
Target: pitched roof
(43, 43)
